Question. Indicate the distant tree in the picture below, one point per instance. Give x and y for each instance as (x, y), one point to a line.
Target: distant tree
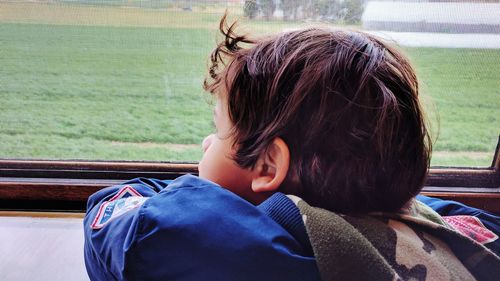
(267, 7)
(250, 9)
(290, 9)
(353, 11)
(327, 9)
(309, 10)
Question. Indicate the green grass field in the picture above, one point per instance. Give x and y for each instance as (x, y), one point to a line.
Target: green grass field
(125, 84)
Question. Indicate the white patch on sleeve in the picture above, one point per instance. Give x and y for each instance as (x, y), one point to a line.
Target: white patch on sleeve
(295, 199)
(125, 200)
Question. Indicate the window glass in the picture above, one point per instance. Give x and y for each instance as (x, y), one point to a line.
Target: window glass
(122, 80)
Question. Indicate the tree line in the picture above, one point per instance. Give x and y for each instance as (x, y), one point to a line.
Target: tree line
(340, 11)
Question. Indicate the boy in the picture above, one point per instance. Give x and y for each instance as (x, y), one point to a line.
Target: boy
(331, 118)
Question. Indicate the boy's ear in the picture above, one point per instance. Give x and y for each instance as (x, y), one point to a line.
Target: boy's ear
(272, 167)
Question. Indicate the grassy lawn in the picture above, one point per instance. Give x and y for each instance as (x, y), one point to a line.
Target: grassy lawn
(125, 84)
(461, 89)
(70, 91)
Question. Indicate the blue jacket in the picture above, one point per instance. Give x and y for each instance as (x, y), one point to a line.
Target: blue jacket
(192, 229)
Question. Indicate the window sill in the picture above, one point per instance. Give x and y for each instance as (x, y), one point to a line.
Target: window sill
(66, 185)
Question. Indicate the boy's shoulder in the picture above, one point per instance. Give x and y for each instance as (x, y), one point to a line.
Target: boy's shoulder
(192, 204)
(414, 243)
(198, 228)
(186, 204)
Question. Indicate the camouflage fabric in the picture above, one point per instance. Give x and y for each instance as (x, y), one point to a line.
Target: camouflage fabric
(415, 244)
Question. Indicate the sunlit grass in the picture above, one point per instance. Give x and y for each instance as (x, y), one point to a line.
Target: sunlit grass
(103, 83)
(87, 82)
(461, 88)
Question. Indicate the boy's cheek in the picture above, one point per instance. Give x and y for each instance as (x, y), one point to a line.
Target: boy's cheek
(201, 166)
(207, 142)
(209, 162)
(217, 166)
(212, 167)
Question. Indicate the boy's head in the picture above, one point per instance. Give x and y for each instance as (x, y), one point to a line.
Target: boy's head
(331, 116)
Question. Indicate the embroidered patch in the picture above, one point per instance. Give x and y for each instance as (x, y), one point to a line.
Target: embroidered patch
(471, 227)
(125, 200)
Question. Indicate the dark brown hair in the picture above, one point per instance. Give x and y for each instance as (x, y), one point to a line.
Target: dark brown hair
(345, 102)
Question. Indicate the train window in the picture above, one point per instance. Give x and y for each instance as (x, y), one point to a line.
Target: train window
(94, 92)
(121, 80)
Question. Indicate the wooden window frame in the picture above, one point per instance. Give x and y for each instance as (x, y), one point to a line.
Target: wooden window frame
(35, 185)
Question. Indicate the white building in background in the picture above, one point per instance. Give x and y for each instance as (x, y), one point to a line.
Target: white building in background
(423, 16)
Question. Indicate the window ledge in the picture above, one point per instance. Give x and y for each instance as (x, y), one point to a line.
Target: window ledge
(66, 185)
